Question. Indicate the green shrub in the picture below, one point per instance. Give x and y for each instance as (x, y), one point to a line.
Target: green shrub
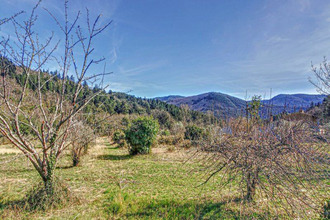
(141, 134)
(193, 133)
(119, 138)
(116, 202)
(165, 133)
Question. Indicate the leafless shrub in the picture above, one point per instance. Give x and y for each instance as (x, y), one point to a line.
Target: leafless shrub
(279, 163)
(82, 137)
(171, 139)
(178, 128)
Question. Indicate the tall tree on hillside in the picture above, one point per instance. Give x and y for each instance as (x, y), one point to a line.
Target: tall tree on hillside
(48, 116)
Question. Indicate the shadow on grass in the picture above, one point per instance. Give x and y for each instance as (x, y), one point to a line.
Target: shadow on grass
(171, 209)
(109, 145)
(174, 210)
(14, 204)
(115, 157)
(65, 167)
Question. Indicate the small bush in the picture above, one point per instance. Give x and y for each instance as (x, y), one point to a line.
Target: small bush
(166, 140)
(178, 128)
(116, 202)
(118, 135)
(119, 138)
(171, 139)
(171, 148)
(177, 139)
(185, 144)
(194, 133)
(165, 133)
(141, 134)
(82, 137)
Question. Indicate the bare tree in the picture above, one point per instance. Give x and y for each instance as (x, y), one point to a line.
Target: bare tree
(5, 20)
(280, 163)
(322, 77)
(82, 137)
(49, 116)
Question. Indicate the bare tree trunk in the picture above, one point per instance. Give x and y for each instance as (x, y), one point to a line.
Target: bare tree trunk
(49, 185)
(48, 176)
(75, 158)
(251, 184)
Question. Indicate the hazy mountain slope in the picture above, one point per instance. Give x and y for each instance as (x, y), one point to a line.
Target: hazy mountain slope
(225, 105)
(297, 100)
(169, 98)
(219, 103)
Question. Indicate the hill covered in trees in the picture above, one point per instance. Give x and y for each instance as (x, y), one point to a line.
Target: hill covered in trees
(108, 102)
(222, 105)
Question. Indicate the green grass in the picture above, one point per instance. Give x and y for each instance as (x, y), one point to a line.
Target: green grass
(113, 185)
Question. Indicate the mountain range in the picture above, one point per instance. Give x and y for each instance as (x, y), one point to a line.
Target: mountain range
(224, 105)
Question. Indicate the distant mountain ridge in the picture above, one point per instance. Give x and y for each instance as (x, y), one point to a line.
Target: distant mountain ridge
(169, 98)
(297, 100)
(224, 105)
(219, 103)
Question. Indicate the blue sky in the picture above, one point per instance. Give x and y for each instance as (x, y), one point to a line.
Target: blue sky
(187, 47)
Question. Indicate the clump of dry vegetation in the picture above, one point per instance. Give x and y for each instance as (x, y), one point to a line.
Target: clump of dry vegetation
(39, 199)
(82, 137)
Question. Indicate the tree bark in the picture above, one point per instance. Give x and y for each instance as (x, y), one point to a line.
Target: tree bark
(251, 183)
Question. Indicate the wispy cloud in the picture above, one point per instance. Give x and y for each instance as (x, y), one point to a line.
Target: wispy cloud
(138, 70)
(183, 48)
(276, 39)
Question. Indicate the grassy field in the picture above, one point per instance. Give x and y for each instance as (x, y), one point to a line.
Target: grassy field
(110, 184)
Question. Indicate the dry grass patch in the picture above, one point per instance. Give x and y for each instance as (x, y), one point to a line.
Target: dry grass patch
(9, 149)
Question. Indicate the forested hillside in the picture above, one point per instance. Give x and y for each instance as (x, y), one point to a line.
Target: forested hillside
(106, 102)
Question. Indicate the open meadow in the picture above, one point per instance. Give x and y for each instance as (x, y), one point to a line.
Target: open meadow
(111, 184)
